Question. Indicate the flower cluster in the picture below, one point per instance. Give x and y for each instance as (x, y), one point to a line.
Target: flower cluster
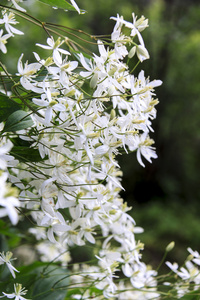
(84, 111)
(188, 276)
(78, 134)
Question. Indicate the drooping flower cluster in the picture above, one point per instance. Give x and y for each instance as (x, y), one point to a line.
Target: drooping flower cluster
(78, 134)
(85, 112)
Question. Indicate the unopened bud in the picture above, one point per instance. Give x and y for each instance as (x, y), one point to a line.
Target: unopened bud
(111, 90)
(142, 53)
(132, 52)
(112, 71)
(170, 246)
(112, 114)
(93, 81)
(190, 257)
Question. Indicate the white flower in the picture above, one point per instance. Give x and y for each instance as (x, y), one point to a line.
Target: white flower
(19, 291)
(134, 30)
(53, 252)
(142, 53)
(17, 6)
(173, 267)
(51, 104)
(136, 27)
(143, 145)
(3, 41)
(9, 19)
(28, 73)
(8, 200)
(6, 258)
(196, 256)
(5, 147)
(191, 272)
(141, 23)
(54, 45)
(63, 70)
(144, 277)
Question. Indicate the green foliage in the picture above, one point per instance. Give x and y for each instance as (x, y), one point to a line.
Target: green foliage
(9, 237)
(192, 296)
(58, 4)
(43, 281)
(23, 151)
(52, 283)
(7, 106)
(91, 290)
(18, 120)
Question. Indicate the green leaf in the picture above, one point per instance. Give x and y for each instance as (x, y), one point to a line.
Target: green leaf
(53, 285)
(32, 268)
(27, 282)
(25, 154)
(18, 120)
(44, 281)
(59, 4)
(91, 290)
(3, 241)
(19, 142)
(41, 75)
(7, 106)
(194, 295)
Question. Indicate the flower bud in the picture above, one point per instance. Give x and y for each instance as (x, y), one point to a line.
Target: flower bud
(142, 53)
(93, 81)
(170, 246)
(132, 52)
(112, 114)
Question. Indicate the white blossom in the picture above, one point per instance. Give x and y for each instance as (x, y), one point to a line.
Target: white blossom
(18, 294)
(7, 258)
(9, 19)
(14, 2)
(3, 41)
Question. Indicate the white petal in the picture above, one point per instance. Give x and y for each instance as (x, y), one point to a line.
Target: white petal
(75, 6)
(101, 150)
(139, 158)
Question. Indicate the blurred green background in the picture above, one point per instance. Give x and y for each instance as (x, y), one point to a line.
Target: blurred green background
(165, 195)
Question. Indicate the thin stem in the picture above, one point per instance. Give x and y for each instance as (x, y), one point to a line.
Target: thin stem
(163, 259)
